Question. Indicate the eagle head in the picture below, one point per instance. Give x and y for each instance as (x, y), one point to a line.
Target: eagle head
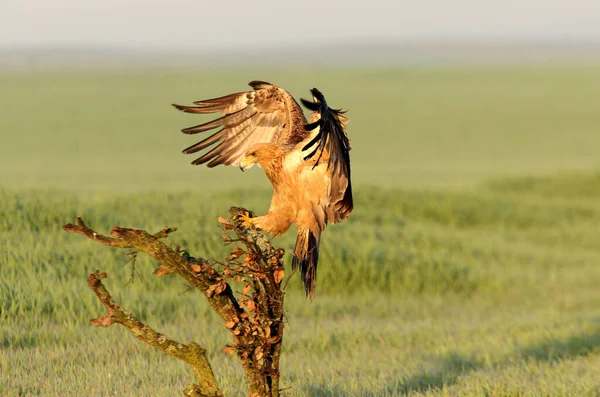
(261, 153)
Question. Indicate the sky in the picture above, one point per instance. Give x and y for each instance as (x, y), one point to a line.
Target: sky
(227, 24)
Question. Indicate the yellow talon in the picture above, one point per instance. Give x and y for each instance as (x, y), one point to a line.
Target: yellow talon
(246, 219)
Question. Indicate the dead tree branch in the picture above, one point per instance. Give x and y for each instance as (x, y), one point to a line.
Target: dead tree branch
(255, 319)
(191, 353)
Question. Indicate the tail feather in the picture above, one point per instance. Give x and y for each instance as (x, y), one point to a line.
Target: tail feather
(306, 256)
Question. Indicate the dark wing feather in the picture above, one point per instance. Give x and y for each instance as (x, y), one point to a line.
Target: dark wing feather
(331, 139)
(268, 114)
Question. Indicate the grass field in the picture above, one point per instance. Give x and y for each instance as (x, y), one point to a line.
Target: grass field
(470, 266)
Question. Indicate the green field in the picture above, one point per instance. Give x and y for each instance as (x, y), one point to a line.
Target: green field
(470, 267)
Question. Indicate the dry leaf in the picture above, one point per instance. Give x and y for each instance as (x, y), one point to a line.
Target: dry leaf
(211, 290)
(230, 324)
(278, 275)
(220, 288)
(161, 271)
(228, 350)
(222, 220)
(246, 289)
(196, 268)
(103, 321)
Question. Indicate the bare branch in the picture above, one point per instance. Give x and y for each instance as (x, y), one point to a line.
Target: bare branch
(255, 320)
(191, 353)
(224, 303)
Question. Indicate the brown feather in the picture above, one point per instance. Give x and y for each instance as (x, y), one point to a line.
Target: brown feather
(220, 100)
(267, 114)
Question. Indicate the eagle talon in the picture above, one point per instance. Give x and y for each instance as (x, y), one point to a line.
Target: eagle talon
(246, 219)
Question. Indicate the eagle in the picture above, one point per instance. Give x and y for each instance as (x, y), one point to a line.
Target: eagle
(306, 161)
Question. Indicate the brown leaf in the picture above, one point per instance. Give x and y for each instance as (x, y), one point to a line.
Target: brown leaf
(211, 290)
(220, 288)
(230, 324)
(246, 289)
(247, 258)
(103, 321)
(161, 271)
(258, 353)
(224, 221)
(278, 275)
(228, 349)
(196, 268)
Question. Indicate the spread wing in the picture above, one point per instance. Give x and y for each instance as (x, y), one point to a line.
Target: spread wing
(324, 189)
(268, 114)
(330, 146)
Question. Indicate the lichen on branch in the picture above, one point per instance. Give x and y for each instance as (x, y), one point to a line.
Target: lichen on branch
(191, 353)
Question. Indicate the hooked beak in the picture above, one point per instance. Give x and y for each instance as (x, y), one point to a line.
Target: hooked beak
(245, 163)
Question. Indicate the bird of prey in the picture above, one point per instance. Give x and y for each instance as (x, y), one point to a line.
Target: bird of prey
(307, 162)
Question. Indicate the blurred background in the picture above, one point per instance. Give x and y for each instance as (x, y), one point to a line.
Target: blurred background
(437, 91)
(468, 267)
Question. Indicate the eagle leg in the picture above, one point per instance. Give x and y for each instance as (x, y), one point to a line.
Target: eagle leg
(246, 219)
